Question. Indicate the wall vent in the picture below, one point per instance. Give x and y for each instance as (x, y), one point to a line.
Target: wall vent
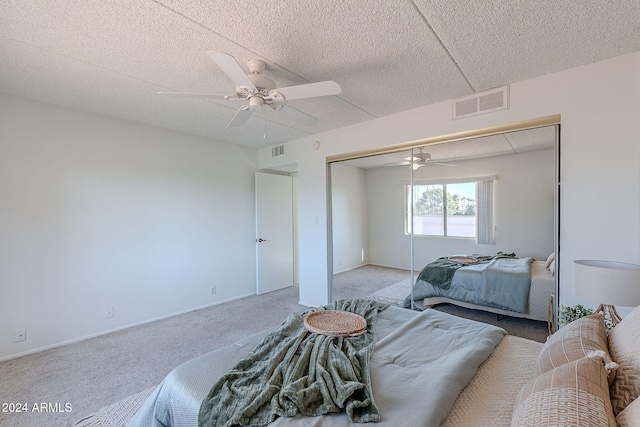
(277, 151)
(480, 103)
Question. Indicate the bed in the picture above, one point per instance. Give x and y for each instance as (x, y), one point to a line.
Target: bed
(529, 290)
(519, 383)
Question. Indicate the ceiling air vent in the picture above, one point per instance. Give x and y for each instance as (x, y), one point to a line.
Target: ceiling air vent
(277, 151)
(483, 102)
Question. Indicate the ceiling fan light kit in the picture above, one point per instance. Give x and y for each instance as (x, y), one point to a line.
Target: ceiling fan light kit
(259, 90)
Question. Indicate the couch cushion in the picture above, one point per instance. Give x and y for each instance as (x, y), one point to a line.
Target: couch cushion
(574, 394)
(624, 346)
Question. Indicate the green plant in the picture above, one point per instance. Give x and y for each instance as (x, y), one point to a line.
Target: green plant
(569, 314)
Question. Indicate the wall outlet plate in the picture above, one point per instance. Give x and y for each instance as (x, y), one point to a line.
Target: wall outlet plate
(19, 335)
(108, 312)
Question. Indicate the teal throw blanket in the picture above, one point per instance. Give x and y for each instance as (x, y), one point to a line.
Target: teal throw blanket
(295, 371)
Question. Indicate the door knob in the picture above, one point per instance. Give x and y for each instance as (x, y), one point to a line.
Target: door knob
(261, 240)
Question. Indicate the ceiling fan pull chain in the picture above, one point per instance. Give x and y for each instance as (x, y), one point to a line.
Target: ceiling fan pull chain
(265, 124)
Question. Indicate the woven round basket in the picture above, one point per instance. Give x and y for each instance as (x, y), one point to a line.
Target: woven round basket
(462, 259)
(335, 323)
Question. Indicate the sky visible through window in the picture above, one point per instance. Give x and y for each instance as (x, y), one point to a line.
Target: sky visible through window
(429, 210)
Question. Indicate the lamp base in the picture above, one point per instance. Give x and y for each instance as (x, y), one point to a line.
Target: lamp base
(609, 313)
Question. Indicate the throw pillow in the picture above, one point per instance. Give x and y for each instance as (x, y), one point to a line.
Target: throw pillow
(574, 394)
(551, 258)
(624, 346)
(580, 338)
(630, 416)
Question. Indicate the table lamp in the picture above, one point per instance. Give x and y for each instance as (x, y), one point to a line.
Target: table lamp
(608, 283)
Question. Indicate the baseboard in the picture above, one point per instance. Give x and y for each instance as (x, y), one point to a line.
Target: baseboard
(389, 266)
(350, 268)
(307, 305)
(98, 334)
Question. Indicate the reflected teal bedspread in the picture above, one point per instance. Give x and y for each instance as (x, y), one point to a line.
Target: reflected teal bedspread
(502, 283)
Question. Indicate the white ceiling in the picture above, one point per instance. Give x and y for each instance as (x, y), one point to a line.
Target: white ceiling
(112, 57)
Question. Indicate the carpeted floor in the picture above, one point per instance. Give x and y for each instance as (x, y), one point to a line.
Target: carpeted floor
(97, 372)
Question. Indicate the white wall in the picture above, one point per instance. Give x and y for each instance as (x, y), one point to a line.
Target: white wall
(350, 224)
(96, 212)
(599, 104)
(523, 203)
(296, 258)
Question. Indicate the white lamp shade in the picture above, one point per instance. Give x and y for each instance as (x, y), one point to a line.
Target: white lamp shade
(607, 282)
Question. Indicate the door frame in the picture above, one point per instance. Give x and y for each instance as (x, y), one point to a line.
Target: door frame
(258, 235)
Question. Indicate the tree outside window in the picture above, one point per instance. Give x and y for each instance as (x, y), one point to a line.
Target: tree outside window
(443, 209)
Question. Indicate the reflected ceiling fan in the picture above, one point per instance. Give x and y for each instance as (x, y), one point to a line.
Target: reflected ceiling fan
(258, 91)
(418, 160)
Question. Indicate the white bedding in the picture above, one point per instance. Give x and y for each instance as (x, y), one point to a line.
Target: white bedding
(489, 398)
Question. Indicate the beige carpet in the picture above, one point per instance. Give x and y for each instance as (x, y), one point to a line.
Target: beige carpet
(394, 294)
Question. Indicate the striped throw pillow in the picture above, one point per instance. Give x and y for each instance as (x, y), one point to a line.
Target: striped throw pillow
(575, 394)
(578, 339)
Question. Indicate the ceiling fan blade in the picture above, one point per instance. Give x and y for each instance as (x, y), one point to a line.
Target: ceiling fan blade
(298, 115)
(241, 117)
(194, 95)
(231, 68)
(310, 90)
(440, 164)
(396, 164)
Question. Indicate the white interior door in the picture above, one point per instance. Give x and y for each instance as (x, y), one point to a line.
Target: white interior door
(274, 232)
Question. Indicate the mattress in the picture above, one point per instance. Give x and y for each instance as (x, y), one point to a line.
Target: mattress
(542, 286)
(176, 401)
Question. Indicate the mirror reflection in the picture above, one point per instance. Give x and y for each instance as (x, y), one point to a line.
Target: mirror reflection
(476, 201)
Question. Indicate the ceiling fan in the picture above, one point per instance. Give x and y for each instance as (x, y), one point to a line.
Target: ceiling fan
(259, 91)
(418, 160)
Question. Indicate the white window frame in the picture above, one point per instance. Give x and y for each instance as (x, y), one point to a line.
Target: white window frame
(484, 207)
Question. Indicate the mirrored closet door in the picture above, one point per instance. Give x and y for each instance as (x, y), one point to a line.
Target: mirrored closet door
(460, 202)
(480, 208)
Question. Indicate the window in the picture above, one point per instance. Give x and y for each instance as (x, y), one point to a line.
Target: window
(442, 209)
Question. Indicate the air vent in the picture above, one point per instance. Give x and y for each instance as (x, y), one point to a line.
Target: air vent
(483, 102)
(277, 151)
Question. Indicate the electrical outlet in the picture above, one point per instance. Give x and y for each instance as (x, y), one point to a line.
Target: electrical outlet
(213, 290)
(108, 312)
(20, 335)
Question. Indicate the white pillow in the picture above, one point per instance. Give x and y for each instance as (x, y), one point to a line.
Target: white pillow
(552, 267)
(550, 259)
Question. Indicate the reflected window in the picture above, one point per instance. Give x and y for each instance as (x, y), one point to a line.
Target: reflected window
(446, 209)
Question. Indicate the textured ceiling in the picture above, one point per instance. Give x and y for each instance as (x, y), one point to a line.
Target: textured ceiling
(112, 57)
(518, 142)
